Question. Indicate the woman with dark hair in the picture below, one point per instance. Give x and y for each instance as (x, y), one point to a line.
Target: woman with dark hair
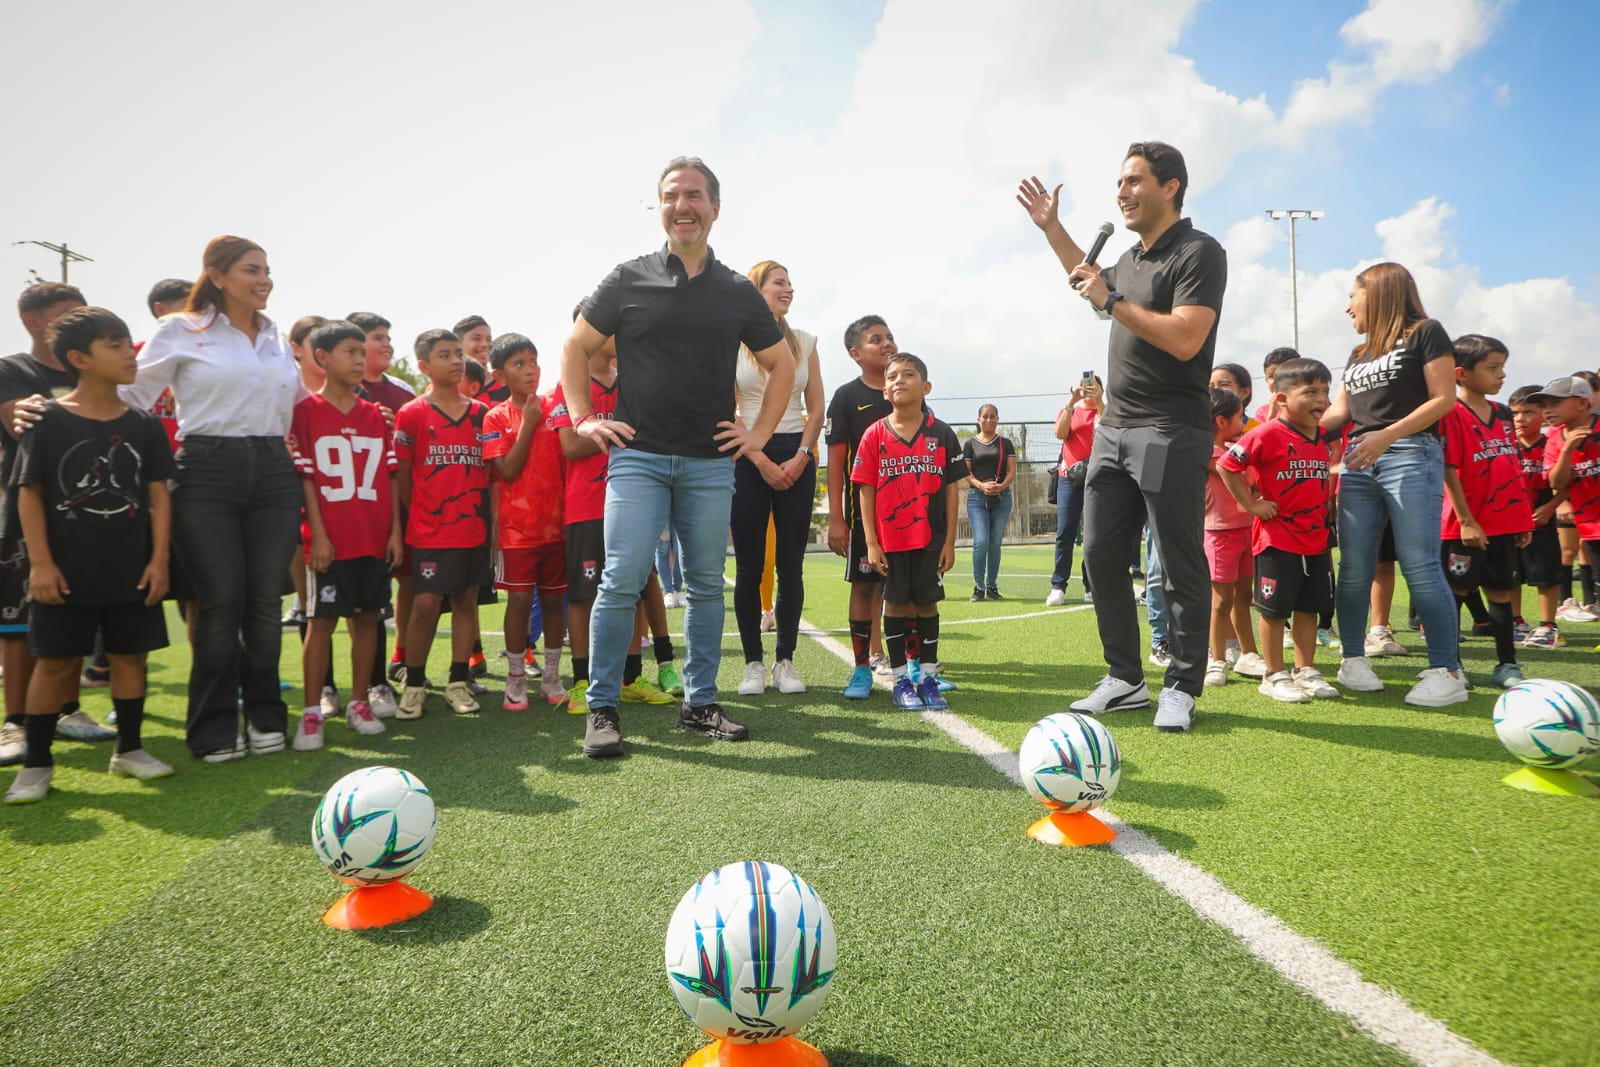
(1399, 383)
(992, 463)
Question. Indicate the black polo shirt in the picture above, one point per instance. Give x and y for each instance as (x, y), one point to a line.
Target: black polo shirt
(678, 347)
(1147, 386)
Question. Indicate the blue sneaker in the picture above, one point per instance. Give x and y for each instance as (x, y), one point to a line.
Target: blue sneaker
(860, 686)
(932, 699)
(906, 697)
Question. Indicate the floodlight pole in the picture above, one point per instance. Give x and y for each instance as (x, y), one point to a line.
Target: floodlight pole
(1294, 214)
(67, 255)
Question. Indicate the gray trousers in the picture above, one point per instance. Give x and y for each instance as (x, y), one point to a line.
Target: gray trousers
(1157, 472)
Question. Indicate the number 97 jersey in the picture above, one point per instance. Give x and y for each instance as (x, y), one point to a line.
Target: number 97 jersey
(349, 457)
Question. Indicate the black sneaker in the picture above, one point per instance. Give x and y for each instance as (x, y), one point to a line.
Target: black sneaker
(994, 594)
(603, 737)
(709, 720)
(977, 595)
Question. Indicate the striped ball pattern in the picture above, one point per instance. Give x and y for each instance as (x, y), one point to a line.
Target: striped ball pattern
(1069, 762)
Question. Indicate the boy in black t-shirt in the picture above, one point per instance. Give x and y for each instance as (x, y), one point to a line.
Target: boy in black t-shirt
(92, 498)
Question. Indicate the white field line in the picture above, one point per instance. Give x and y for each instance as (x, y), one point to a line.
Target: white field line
(1302, 960)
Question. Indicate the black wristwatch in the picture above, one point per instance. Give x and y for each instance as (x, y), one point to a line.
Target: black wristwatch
(1111, 298)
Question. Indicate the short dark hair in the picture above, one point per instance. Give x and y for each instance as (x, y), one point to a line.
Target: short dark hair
(1166, 163)
(41, 295)
(1298, 372)
(1278, 357)
(1473, 348)
(81, 327)
(368, 321)
(713, 186)
(907, 357)
(167, 291)
(854, 332)
(471, 322)
(1591, 377)
(1525, 395)
(304, 325)
(477, 372)
(502, 348)
(1225, 404)
(423, 347)
(326, 335)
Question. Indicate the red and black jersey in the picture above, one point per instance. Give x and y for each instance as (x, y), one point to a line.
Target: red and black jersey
(530, 508)
(1535, 479)
(1583, 492)
(449, 481)
(1488, 462)
(586, 477)
(1291, 470)
(349, 457)
(908, 477)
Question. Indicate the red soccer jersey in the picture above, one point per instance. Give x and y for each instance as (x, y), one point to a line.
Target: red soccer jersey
(449, 482)
(1291, 471)
(530, 508)
(586, 477)
(908, 477)
(349, 458)
(1488, 462)
(1584, 490)
(1534, 477)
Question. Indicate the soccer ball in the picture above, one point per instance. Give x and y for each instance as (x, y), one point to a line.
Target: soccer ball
(374, 826)
(1069, 762)
(1547, 723)
(750, 953)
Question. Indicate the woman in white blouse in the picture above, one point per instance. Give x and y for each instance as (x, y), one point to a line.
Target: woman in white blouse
(236, 501)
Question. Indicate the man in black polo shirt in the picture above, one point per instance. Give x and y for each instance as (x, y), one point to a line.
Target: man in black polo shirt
(1164, 297)
(679, 317)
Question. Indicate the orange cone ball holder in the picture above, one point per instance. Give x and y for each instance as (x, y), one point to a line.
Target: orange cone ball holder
(377, 905)
(1075, 828)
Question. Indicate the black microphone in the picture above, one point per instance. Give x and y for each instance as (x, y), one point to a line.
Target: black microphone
(1100, 240)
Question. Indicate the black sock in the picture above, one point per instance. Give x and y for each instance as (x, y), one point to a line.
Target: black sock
(1566, 583)
(632, 667)
(913, 639)
(15, 720)
(459, 672)
(580, 669)
(663, 647)
(1474, 602)
(1586, 582)
(130, 720)
(928, 636)
(861, 640)
(894, 637)
(415, 676)
(41, 730)
(1500, 622)
(1325, 621)
(477, 647)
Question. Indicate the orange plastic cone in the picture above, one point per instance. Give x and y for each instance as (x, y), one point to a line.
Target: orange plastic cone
(377, 905)
(1074, 828)
(784, 1052)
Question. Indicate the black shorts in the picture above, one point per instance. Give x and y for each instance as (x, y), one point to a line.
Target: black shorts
(1541, 559)
(913, 578)
(66, 631)
(1497, 567)
(448, 571)
(348, 587)
(586, 559)
(856, 568)
(13, 589)
(1287, 582)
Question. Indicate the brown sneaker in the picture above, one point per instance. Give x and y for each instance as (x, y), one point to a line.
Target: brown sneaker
(603, 737)
(709, 720)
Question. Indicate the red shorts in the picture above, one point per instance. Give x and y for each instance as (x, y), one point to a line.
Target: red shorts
(524, 568)
(1228, 555)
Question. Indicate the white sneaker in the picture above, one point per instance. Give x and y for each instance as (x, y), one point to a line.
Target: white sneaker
(1439, 688)
(1113, 694)
(1231, 652)
(329, 703)
(380, 698)
(1355, 673)
(1572, 611)
(550, 687)
(1174, 711)
(755, 680)
(1281, 687)
(769, 621)
(31, 785)
(138, 764)
(1250, 665)
(1216, 672)
(1056, 598)
(459, 696)
(1313, 684)
(265, 742)
(881, 667)
(226, 755)
(308, 735)
(1380, 642)
(360, 718)
(13, 744)
(786, 678)
(78, 726)
(1161, 655)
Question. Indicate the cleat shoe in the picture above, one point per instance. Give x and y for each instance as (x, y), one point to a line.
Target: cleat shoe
(31, 786)
(640, 691)
(1355, 674)
(13, 744)
(227, 755)
(308, 735)
(602, 738)
(932, 699)
(1174, 711)
(516, 694)
(1113, 694)
(1313, 684)
(477, 666)
(1056, 599)
(1506, 675)
(411, 700)
(755, 679)
(1281, 687)
(1327, 639)
(668, 680)
(77, 726)
(881, 667)
(1216, 672)
(530, 658)
(380, 698)
(945, 684)
(1380, 642)
(708, 719)
(1250, 665)
(550, 687)
(1231, 652)
(328, 704)
(905, 695)
(95, 677)
(362, 719)
(992, 593)
(858, 688)
(1161, 654)
(459, 696)
(1520, 631)
(265, 742)
(786, 679)
(1440, 687)
(578, 698)
(397, 671)
(138, 764)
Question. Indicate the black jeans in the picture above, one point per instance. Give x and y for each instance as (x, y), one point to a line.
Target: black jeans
(236, 520)
(790, 509)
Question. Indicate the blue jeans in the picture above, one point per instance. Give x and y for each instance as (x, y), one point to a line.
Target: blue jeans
(1406, 485)
(1155, 594)
(667, 562)
(1069, 516)
(988, 516)
(644, 490)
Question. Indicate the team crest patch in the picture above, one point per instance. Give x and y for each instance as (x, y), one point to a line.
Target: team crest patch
(328, 594)
(589, 570)
(864, 567)
(1268, 587)
(428, 571)
(1459, 565)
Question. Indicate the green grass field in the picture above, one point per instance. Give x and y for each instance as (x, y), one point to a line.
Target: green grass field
(177, 922)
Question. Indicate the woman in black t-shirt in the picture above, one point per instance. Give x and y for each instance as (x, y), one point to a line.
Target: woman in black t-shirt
(1398, 384)
(992, 461)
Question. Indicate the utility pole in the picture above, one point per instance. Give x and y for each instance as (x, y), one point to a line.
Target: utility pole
(68, 256)
(1293, 214)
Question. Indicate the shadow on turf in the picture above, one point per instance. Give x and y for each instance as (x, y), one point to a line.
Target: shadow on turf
(450, 919)
(1412, 740)
(839, 1057)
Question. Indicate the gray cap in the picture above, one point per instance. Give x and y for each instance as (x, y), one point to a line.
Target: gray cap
(1564, 388)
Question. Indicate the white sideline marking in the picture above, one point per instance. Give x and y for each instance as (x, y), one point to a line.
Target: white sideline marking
(1302, 960)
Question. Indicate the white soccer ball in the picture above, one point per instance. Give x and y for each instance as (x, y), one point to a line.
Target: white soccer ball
(374, 825)
(1548, 723)
(1069, 762)
(750, 953)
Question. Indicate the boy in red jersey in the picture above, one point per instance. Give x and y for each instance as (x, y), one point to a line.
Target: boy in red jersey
(444, 483)
(904, 467)
(1293, 568)
(1572, 456)
(342, 448)
(524, 451)
(1541, 558)
(1487, 519)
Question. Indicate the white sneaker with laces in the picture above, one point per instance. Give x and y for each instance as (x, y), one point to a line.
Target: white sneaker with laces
(1380, 642)
(380, 698)
(1313, 684)
(1281, 687)
(308, 735)
(1113, 694)
(1216, 672)
(1174, 711)
(755, 680)
(360, 717)
(1355, 674)
(1571, 611)
(459, 696)
(265, 742)
(880, 666)
(1250, 665)
(786, 678)
(1056, 599)
(78, 726)
(1439, 688)
(1231, 652)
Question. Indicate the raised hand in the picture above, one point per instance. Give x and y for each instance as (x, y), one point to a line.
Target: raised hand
(1042, 207)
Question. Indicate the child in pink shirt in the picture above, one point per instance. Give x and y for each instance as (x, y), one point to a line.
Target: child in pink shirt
(1228, 553)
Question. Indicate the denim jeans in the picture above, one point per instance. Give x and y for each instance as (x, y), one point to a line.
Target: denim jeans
(1069, 516)
(755, 503)
(1406, 485)
(988, 516)
(643, 490)
(236, 521)
(1155, 594)
(668, 565)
